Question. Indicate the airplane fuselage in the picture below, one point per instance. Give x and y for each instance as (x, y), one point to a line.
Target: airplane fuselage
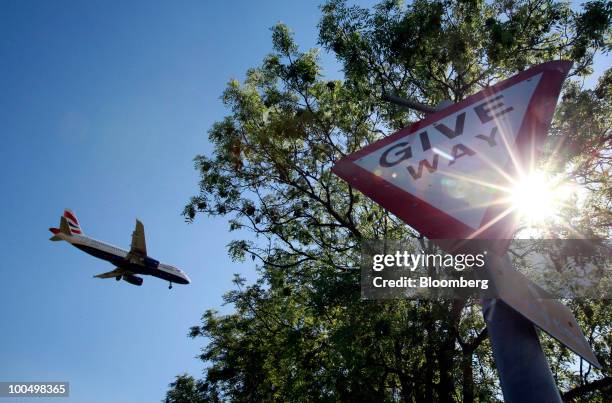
(119, 257)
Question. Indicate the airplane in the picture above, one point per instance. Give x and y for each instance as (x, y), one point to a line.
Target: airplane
(128, 263)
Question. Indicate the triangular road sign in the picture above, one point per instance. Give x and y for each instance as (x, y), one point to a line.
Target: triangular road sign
(449, 175)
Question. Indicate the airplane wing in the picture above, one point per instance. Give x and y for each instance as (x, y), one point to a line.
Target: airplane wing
(139, 245)
(117, 272)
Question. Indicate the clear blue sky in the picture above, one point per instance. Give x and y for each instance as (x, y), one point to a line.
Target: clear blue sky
(102, 108)
(103, 105)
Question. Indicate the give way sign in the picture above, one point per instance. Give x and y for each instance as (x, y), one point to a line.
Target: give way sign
(449, 176)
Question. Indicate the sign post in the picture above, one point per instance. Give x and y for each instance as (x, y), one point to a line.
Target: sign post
(523, 370)
(449, 176)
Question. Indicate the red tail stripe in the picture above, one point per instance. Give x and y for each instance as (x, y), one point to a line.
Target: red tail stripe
(71, 216)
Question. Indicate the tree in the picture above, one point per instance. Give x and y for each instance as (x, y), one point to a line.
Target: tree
(185, 389)
(301, 331)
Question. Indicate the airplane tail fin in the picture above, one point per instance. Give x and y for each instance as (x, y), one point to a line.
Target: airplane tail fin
(64, 229)
(69, 225)
(72, 222)
(55, 231)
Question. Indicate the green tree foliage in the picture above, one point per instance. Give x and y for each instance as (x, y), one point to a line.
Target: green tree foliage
(185, 389)
(301, 331)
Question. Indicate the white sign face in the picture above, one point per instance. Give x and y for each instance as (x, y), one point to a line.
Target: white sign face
(457, 163)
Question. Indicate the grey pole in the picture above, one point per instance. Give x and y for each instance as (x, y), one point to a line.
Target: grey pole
(524, 374)
(408, 103)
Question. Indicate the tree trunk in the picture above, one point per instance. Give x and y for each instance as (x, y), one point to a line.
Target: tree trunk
(429, 366)
(468, 378)
(406, 387)
(446, 386)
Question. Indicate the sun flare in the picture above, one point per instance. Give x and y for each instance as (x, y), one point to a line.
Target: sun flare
(538, 196)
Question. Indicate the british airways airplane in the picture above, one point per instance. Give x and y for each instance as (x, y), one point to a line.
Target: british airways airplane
(128, 264)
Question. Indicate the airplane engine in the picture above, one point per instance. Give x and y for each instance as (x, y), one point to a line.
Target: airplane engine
(135, 280)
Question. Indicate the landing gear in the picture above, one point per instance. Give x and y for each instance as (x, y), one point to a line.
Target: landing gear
(170, 286)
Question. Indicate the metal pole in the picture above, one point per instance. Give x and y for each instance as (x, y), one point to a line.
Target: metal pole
(524, 374)
(408, 103)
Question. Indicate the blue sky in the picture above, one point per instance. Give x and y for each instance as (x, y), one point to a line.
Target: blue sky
(103, 105)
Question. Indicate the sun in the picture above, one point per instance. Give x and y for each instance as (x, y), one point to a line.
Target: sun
(539, 196)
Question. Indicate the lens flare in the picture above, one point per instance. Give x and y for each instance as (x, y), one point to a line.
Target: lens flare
(538, 197)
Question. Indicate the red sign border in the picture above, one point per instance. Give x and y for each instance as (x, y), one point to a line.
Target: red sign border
(427, 219)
